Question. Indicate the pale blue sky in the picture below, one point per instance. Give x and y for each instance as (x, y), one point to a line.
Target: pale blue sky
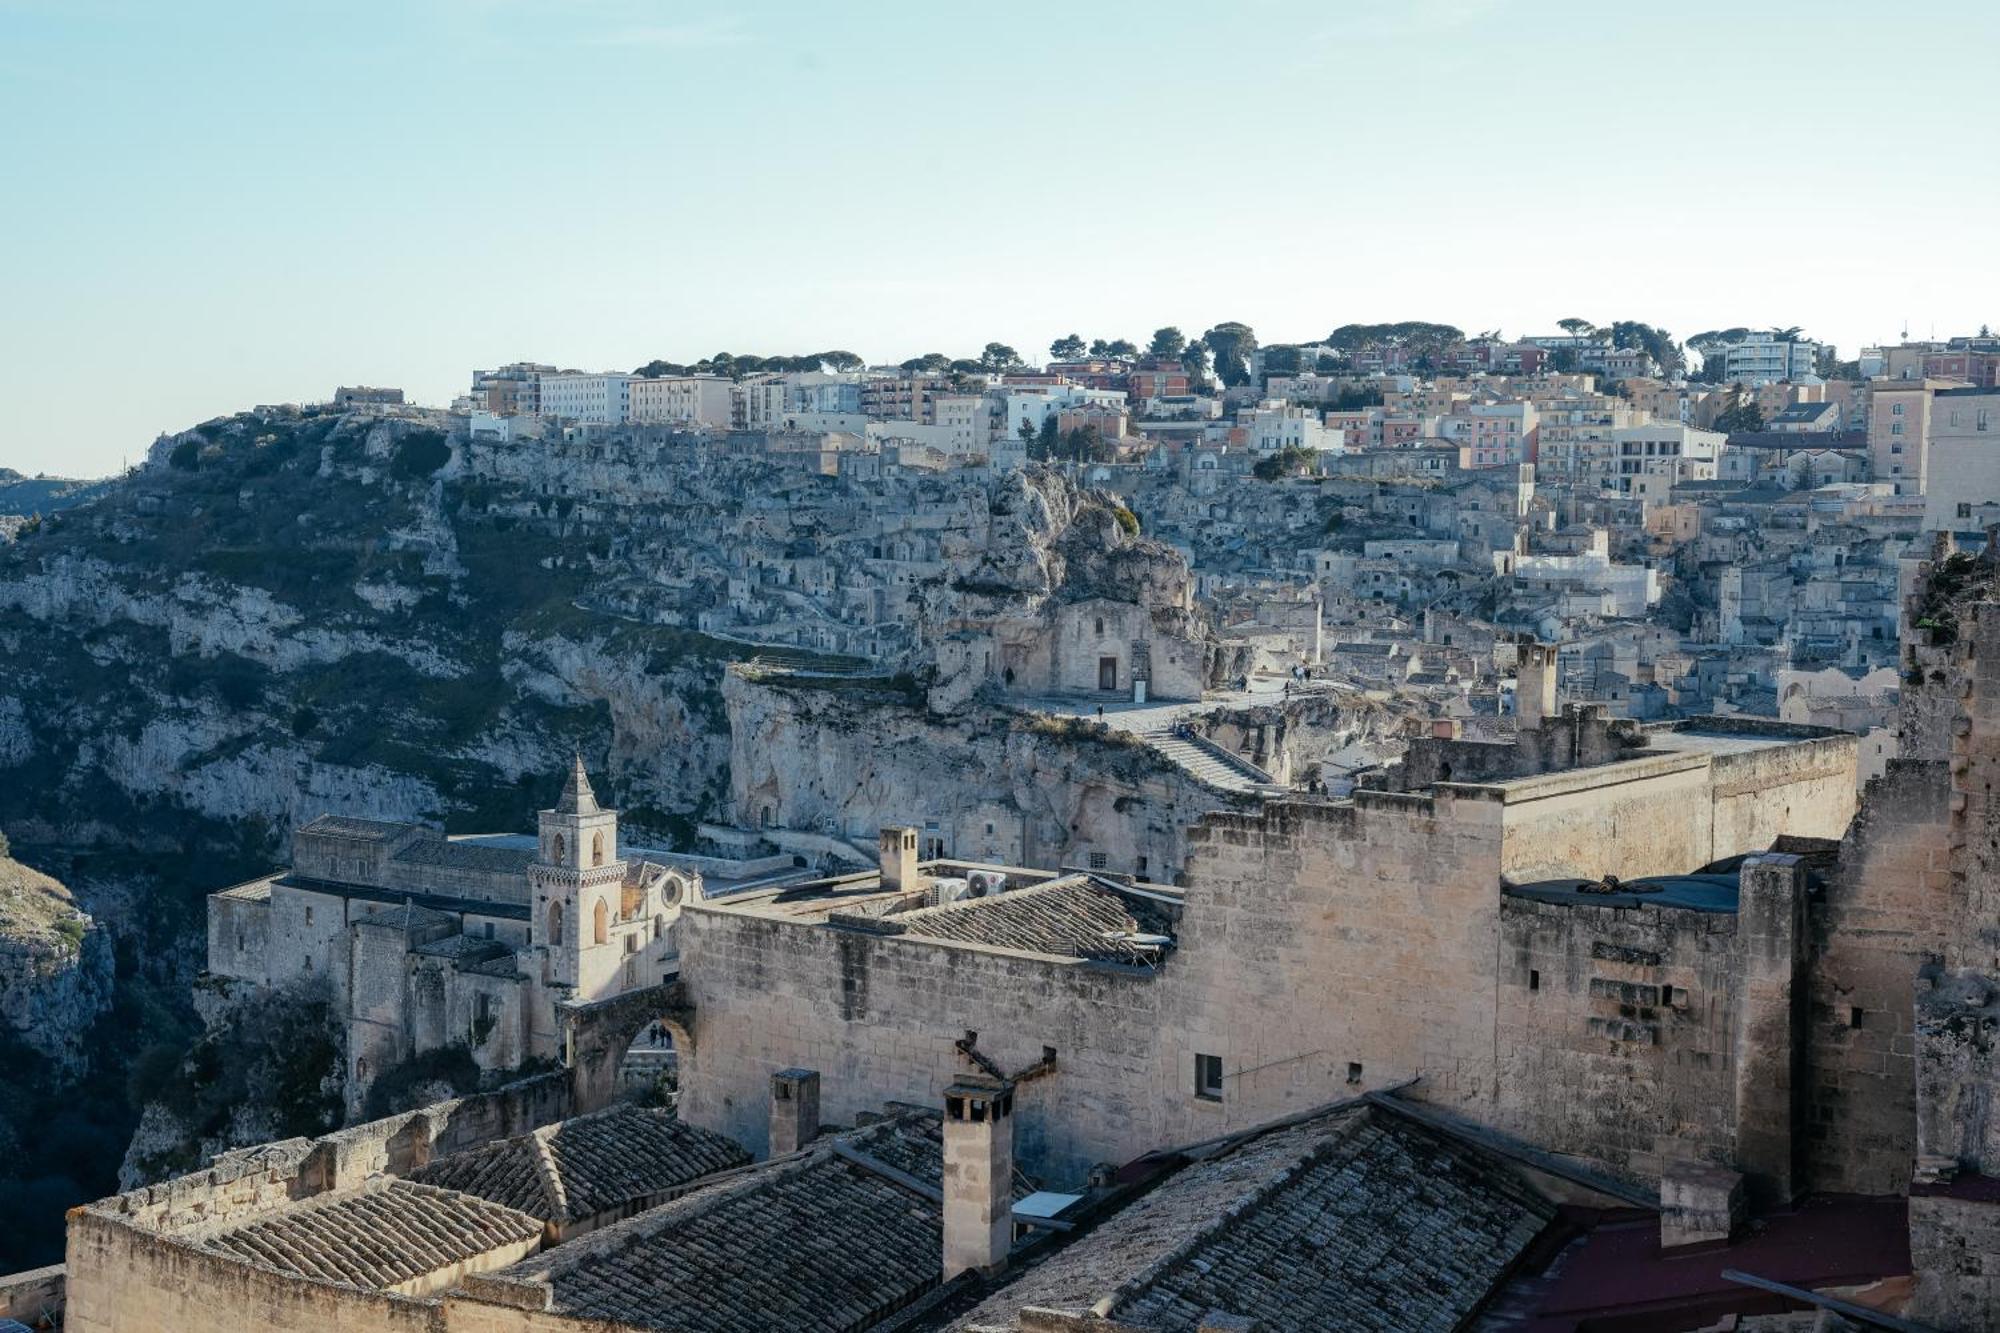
(210, 205)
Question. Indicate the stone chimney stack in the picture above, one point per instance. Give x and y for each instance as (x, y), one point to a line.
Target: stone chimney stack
(1534, 684)
(899, 858)
(978, 1175)
(794, 1110)
(1772, 940)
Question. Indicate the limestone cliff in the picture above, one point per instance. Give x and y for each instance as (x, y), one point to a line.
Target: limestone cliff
(844, 758)
(55, 965)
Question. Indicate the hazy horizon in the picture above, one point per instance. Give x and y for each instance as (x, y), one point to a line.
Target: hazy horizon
(234, 206)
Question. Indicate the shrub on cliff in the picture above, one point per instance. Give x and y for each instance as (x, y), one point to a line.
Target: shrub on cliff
(419, 454)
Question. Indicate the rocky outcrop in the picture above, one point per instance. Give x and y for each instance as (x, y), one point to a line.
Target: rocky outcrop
(55, 965)
(846, 757)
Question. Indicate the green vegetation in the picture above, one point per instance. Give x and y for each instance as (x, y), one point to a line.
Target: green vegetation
(415, 1081)
(420, 454)
(1290, 461)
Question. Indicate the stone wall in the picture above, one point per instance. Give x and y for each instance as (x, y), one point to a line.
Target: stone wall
(1955, 1250)
(1615, 1030)
(1884, 912)
(130, 1278)
(1323, 947)
(33, 1296)
(131, 1264)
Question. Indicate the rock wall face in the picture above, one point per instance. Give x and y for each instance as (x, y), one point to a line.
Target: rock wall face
(984, 784)
(55, 966)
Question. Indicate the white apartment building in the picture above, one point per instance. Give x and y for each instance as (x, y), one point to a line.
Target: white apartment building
(1035, 404)
(572, 395)
(1274, 426)
(1491, 434)
(1763, 359)
(967, 422)
(1647, 459)
(681, 400)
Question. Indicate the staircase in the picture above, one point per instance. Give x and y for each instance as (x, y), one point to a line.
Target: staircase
(1212, 765)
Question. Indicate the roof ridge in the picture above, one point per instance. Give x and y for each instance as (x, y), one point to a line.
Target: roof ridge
(551, 1177)
(1059, 882)
(1135, 1286)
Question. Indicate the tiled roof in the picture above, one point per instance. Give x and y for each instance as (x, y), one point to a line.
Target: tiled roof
(816, 1245)
(914, 1145)
(588, 1164)
(374, 830)
(1073, 917)
(455, 855)
(1362, 1219)
(378, 1236)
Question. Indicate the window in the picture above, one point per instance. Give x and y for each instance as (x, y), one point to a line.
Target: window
(560, 847)
(1354, 1071)
(600, 921)
(597, 848)
(555, 923)
(1534, 979)
(1897, 410)
(1208, 1077)
(1965, 511)
(489, 930)
(1896, 429)
(1098, 860)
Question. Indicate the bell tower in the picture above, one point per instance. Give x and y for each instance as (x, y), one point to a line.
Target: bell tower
(576, 881)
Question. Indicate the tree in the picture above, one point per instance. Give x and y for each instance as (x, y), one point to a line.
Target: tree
(1167, 343)
(1290, 461)
(1232, 343)
(1195, 358)
(1741, 416)
(1282, 361)
(840, 360)
(1576, 328)
(1045, 439)
(999, 356)
(1099, 347)
(1069, 347)
(1122, 349)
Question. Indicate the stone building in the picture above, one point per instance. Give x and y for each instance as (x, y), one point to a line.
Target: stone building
(428, 941)
(1318, 947)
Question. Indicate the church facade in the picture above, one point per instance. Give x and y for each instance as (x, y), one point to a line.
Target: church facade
(426, 941)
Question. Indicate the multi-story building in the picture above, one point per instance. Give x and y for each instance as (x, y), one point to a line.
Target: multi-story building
(1899, 431)
(594, 399)
(1275, 426)
(681, 400)
(1492, 434)
(902, 397)
(1650, 458)
(1962, 483)
(512, 390)
(1764, 358)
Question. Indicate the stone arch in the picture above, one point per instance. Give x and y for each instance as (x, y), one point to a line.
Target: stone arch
(561, 847)
(597, 1035)
(597, 848)
(600, 923)
(556, 922)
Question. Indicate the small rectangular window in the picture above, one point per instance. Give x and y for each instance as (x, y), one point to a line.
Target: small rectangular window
(1354, 1071)
(1208, 1077)
(1098, 860)
(1854, 1016)
(1534, 979)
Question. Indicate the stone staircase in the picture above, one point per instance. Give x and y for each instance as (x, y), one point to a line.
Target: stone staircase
(1212, 765)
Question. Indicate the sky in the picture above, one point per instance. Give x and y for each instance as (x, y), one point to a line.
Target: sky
(205, 206)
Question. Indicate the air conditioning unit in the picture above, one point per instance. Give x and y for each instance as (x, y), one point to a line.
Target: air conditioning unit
(986, 883)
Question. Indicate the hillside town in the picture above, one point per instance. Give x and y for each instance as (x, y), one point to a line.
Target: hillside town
(1413, 830)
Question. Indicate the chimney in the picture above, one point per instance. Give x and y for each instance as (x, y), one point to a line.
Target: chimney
(899, 858)
(1772, 941)
(794, 1109)
(1534, 684)
(978, 1175)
